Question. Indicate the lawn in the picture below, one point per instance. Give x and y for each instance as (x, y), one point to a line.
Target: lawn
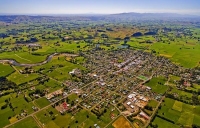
(5, 70)
(142, 77)
(26, 123)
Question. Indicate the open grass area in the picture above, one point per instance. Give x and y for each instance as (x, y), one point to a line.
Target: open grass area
(157, 85)
(52, 85)
(82, 118)
(42, 102)
(163, 123)
(18, 103)
(179, 112)
(177, 106)
(26, 123)
(179, 52)
(22, 57)
(22, 78)
(5, 70)
(153, 103)
(61, 73)
(121, 122)
(64, 47)
(186, 118)
(186, 96)
(142, 77)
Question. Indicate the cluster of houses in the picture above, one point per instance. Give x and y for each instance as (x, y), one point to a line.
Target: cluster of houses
(118, 77)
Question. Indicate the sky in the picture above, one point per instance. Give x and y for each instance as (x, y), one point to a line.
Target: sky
(98, 6)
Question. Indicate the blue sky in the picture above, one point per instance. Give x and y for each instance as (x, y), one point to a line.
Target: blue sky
(98, 6)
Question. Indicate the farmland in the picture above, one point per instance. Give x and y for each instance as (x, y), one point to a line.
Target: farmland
(99, 72)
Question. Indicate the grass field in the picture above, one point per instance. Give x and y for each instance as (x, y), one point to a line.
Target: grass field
(182, 94)
(163, 124)
(70, 120)
(186, 118)
(179, 52)
(179, 112)
(153, 103)
(59, 73)
(22, 78)
(18, 103)
(121, 122)
(42, 102)
(142, 77)
(22, 57)
(158, 88)
(177, 106)
(5, 70)
(26, 123)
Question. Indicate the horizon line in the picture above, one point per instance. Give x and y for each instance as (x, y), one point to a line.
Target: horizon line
(49, 14)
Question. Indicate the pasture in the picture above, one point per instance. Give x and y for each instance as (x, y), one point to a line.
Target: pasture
(58, 68)
(18, 78)
(178, 111)
(26, 123)
(157, 85)
(42, 102)
(5, 70)
(82, 118)
(163, 123)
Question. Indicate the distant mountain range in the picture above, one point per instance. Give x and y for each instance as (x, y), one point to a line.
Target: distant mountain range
(134, 14)
(9, 18)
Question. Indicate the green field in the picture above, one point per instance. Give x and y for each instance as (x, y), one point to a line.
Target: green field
(153, 103)
(59, 73)
(5, 70)
(178, 111)
(70, 120)
(18, 78)
(22, 57)
(26, 123)
(42, 102)
(18, 103)
(177, 106)
(158, 88)
(163, 124)
(179, 52)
